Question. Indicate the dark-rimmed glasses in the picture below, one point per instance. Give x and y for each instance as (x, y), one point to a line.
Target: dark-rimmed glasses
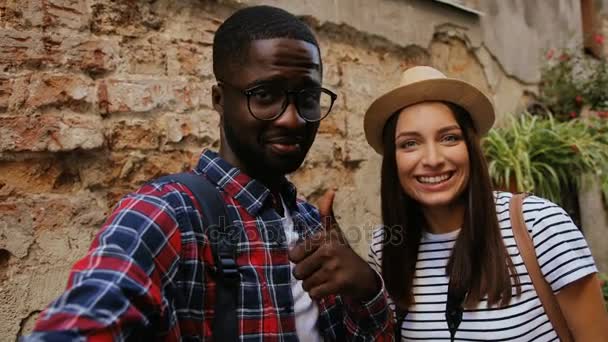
(268, 102)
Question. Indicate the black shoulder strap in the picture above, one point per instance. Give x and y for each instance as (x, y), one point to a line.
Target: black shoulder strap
(215, 219)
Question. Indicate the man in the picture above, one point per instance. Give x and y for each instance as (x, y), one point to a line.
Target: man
(150, 276)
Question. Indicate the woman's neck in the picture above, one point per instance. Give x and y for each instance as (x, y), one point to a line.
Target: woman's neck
(444, 219)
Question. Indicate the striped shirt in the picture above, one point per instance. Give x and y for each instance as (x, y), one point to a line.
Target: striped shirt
(562, 253)
(149, 275)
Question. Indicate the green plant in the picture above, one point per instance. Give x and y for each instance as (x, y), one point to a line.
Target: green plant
(604, 284)
(599, 129)
(544, 156)
(560, 85)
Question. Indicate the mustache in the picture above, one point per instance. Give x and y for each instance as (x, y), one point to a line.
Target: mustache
(285, 137)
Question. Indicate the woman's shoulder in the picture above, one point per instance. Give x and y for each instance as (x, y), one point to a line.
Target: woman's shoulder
(560, 246)
(532, 205)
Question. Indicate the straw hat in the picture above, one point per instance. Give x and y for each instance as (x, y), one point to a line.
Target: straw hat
(423, 83)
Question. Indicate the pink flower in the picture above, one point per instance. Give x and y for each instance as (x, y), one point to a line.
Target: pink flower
(550, 54)
(574, 148)
(599, 38)
(578, 99)
(564, 57)
(573, 114)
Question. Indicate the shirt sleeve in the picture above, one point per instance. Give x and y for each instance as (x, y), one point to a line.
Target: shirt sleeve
(371, 320)
(562, 252)
(115, 291)
(374, 256)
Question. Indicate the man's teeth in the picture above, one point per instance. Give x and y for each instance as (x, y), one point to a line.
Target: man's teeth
(434, 179)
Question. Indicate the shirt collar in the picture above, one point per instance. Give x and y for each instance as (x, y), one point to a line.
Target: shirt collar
(249, 192)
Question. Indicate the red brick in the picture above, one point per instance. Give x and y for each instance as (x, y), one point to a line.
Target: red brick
(71, 14)
(55, 49)
(199, 127)
(19, 88)
(188, 95)
(147, 57)
(196, 27)
(95, 56)
(133, 135)
(158, 164)
(191, 59)
(12, 14)
(59, 90)
(35, 175)
(5, 92)
(124, 96)
(145, 95)
(127, 17)
(16, 227)
(50, 132)
(123, 171)
(53, 211)
(22, 48)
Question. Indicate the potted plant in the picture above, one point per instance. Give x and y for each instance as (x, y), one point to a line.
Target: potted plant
(547, 156)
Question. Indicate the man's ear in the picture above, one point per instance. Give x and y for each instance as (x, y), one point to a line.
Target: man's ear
(217, 99)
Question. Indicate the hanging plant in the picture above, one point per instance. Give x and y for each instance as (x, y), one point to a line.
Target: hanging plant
(572, 80)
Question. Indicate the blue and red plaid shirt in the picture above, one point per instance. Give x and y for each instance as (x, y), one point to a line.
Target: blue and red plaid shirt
(149, 275)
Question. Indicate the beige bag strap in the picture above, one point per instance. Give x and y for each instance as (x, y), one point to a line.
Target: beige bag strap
(528, 254)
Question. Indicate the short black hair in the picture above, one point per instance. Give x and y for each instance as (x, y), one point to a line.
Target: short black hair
(233, 37)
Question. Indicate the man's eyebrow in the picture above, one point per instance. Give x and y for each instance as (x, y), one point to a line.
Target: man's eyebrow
(308, 65)
(267, 80)
(280, 79)
(304, 63)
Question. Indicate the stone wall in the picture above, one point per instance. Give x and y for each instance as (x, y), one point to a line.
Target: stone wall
(98, 96)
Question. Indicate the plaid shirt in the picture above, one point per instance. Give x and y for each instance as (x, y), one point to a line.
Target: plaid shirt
(149, 272)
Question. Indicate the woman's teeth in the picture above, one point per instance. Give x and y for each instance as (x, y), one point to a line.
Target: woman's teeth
(434, 179)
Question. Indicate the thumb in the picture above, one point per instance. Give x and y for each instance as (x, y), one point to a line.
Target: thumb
(326, 203)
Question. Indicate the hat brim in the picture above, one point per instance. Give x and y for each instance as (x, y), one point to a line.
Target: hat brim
(451, 90)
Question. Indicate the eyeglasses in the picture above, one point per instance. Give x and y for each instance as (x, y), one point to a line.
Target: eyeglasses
(268, 102)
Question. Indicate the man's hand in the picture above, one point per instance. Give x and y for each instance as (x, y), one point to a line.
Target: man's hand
(327, 264)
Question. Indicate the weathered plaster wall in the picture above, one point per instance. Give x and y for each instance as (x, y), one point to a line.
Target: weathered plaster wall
(98, 96)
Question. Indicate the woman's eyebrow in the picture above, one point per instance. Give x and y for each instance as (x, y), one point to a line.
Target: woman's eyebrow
(415, 133)
(407, 133)
(449, 128)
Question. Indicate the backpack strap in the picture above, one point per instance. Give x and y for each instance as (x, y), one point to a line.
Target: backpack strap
(528, 254)
(215, 219)
(401, 314)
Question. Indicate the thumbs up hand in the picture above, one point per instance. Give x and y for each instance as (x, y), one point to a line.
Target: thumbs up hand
(326, 263)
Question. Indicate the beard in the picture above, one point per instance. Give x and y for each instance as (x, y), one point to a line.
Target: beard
(258, 160)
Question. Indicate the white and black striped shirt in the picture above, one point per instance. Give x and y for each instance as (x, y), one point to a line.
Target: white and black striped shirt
(562, 253)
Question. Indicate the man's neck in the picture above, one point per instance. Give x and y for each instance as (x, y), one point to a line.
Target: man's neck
(272, 182)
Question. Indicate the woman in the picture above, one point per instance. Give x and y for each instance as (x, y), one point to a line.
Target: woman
(446, 250)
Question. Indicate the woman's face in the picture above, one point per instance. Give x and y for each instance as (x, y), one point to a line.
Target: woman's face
(431, 154)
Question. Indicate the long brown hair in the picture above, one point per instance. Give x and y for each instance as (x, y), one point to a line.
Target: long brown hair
(479, 264)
